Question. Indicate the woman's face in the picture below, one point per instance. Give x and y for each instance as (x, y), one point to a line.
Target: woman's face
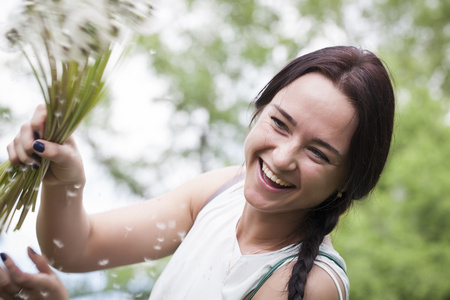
(296, 154)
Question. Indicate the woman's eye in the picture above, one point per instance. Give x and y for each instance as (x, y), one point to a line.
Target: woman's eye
(319, 155)
(279, 123)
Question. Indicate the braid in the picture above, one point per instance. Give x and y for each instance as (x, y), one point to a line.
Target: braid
(306, 256)
(318, 223)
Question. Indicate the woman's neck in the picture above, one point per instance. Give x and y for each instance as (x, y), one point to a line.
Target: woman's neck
(259, 232)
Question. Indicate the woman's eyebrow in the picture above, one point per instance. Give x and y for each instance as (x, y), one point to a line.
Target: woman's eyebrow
(286, 115)
(326, 145)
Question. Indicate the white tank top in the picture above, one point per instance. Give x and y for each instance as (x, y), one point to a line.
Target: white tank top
(209, 264)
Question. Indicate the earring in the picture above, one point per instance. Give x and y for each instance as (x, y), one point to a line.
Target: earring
(339, 195)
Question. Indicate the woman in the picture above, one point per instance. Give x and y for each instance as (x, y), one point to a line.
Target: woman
(322, 133)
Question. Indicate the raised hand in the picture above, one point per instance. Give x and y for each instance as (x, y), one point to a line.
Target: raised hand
(28, 148)
(16, 284)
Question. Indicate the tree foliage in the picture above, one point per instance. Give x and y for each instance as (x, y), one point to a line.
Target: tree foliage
(217, 55)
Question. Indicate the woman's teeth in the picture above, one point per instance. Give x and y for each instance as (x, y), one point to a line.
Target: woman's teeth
(274, 177)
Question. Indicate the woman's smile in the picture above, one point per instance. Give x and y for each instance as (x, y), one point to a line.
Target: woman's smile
(272, 180)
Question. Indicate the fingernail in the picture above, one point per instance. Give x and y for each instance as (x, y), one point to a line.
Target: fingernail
(36, 135)
(36, 157)
(35, 166)
(39, 147)
(4, 257)
(32, 250)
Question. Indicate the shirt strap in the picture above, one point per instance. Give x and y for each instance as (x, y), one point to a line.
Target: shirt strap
(268, 274)
(281, 262)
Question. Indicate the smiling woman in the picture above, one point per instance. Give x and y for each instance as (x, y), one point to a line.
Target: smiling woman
(302, 138)
(346, 117)
(321, 137)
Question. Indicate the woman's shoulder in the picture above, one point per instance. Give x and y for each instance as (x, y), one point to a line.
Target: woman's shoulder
(319, 286)
(323, 280)
(205, 185)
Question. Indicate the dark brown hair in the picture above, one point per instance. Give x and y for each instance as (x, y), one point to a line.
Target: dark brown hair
(363, 78)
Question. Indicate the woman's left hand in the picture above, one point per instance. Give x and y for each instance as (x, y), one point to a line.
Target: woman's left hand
(15, 284)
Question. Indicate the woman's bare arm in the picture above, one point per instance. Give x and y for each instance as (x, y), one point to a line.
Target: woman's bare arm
(77, 242)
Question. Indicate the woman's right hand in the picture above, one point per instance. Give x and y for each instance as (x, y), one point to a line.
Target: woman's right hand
(28, 148)
(16, 284)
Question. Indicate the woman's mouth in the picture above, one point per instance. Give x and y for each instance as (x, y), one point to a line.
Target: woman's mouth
(273, 179)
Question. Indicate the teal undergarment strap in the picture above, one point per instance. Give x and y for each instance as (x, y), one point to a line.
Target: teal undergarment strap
(333, 259)
(273, 269)
(281, 262)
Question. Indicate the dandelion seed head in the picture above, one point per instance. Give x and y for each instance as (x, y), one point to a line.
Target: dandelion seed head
(150, 262)
(103, 262)
(172, 224)
(58, 243)
(22, 296)
(161, 226)
(44, 294)
(182, 235)
(72, 194)
(114, 28)
(5, 116)
(91, 25)
(13, 36)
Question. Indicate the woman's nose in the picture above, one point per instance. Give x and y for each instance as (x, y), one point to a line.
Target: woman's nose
(284, 157)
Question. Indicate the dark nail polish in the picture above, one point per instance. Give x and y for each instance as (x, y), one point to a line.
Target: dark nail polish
(35, 166)
(32, 250)
(3, 256)
(36, 135)
(39, 147)
(36, 157)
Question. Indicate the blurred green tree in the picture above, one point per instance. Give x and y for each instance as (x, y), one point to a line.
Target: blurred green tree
(217, 55)
(399, 243)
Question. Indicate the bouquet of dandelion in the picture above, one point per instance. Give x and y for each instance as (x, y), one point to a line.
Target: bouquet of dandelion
(68, 44)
